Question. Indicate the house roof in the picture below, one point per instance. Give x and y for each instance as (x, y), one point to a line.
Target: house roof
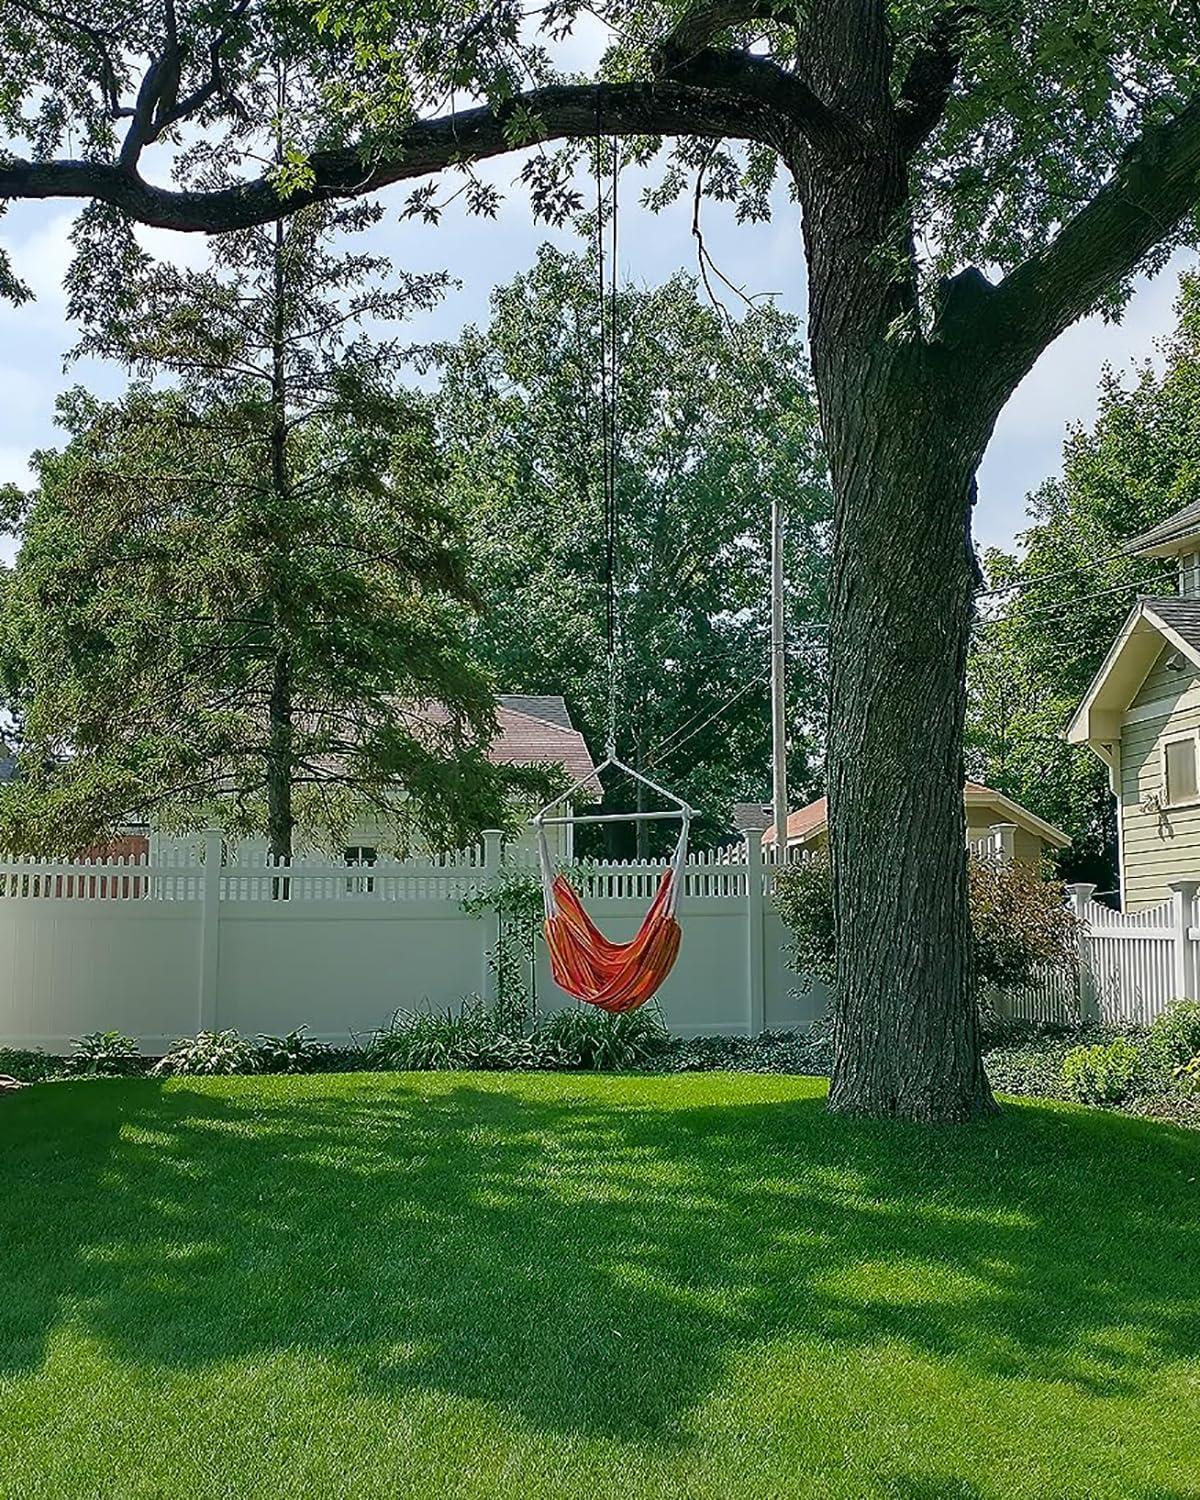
(551, 708)
(534, 735)
(807, 822)
(1150, 623)
(1178, 533)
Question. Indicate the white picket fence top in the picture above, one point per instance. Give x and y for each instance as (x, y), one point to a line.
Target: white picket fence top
(179, 874)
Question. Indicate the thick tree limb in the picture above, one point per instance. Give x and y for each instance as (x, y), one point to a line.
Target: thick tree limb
(725, 94)
(697, 27)
(158, 104)
(1009, 325)
(931, 75)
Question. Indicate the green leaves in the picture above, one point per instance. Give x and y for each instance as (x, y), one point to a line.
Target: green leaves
(709, 427)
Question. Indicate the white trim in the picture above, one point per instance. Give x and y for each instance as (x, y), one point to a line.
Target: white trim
(1081, 714)
(1180, 736)
(1170, 634)
(1030, 822)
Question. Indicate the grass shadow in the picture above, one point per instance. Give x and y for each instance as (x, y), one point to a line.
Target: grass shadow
(590, 1255)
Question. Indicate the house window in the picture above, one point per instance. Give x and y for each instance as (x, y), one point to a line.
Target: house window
(360, 854)
(1179, 770)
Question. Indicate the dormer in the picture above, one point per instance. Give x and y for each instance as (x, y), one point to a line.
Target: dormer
(1178, 537)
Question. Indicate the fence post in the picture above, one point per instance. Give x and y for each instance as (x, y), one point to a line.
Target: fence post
(210, 932)
(756, 995)
(493, 859)
(1183, 893)
(1004, 842)
(1080, 895)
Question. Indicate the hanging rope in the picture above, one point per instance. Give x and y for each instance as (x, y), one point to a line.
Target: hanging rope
(614, 976)
(607, 306)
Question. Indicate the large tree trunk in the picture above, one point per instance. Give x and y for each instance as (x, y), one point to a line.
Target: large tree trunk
(904, 434)
(907, 1029)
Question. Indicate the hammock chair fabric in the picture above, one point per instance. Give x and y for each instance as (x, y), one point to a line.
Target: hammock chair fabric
(617, 977)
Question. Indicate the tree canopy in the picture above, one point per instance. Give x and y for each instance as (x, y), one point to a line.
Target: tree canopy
(710, 425)
(243, 596)
(927, 142)
(1060, 605)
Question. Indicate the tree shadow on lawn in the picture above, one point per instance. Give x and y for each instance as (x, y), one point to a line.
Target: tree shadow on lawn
(589, 1261)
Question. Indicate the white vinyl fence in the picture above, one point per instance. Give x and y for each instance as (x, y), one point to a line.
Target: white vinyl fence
(163, 948)
(1131, 964)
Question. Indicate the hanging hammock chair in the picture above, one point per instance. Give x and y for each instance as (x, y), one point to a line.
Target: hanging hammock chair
(616, 977)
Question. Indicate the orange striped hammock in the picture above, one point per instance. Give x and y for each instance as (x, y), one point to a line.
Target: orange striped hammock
(617, 977)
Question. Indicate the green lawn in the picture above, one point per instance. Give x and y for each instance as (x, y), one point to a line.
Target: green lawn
(445, 1285)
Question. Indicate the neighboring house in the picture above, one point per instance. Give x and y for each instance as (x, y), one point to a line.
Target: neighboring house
(534, 730)
(1141, 716)
(994, 821)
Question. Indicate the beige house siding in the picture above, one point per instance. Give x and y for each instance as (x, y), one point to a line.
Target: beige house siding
(1156, 846)
(1028, 849)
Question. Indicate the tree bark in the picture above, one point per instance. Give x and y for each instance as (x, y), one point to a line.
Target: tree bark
(905, 431)
(906, 1017)
(280, 820)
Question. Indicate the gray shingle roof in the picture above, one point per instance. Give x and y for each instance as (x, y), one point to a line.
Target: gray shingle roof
(1182, 615)
(1183, 523)
(551, 708)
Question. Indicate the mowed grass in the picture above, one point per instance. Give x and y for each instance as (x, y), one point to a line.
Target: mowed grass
(463, 1285)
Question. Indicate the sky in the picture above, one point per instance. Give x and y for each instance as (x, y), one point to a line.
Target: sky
(481, 254)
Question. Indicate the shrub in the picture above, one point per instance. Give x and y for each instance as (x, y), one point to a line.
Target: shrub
(1104, 1074)
(423, 1041)
(104, 1054)
(1187, 1075)
(804, 899)
(296, 1052)
(592, 1040)
(26, 1065)
(209, 1052)
(1020, 923)
(1174, 1037)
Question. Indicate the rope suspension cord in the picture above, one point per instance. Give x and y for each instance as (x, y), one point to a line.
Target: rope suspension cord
(617, 977)
(607, 307)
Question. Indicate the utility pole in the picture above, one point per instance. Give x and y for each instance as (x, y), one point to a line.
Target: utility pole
(779, 795)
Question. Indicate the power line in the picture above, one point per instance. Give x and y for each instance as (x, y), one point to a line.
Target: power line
(1071, 572)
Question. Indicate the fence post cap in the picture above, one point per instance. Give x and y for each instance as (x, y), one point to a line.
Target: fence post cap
(1184, 887)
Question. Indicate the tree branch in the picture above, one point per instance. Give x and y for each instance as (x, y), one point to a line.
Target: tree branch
(697, 27)
(725, 94)
(1007, 326)
(931, 75)
(158, 104)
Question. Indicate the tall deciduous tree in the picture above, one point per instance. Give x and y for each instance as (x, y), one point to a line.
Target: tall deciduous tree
(710, 425)
(1059, 607)
(1058, 148)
